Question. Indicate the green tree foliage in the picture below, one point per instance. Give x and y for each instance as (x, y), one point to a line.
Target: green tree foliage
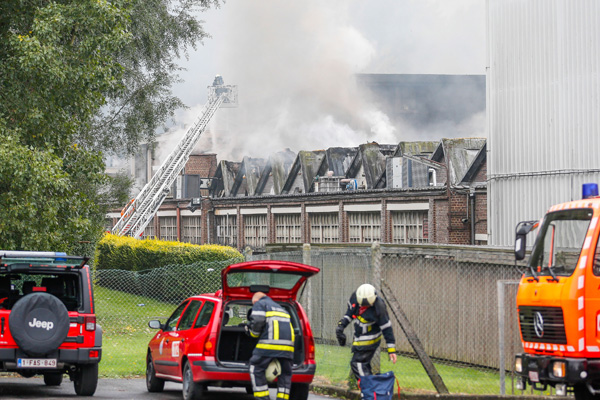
(79, 78)
(58, 61)
(161, 31)
(39, 209)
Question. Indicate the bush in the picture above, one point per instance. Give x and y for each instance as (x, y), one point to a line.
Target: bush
(165, 271)
(130, 254)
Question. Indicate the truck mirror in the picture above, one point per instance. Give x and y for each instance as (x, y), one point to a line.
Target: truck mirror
(520, 247)
(523, 228)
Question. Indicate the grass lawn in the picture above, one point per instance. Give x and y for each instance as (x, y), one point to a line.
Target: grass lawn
(333, 365)
(124, 319)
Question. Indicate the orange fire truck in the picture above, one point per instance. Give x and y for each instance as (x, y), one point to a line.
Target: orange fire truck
(558, 300)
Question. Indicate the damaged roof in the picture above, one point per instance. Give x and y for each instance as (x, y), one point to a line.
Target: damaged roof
(275, 172)
(459, 155)
(224, 177)
(337, 160)
(419, 148)
(372, 157)
(247, 178)
(306, 165)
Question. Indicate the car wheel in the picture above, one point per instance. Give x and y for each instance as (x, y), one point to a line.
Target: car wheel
(153, 384)
(53, 378)
(39, 323)
(86, 379)
(191, 389)
(299, 391)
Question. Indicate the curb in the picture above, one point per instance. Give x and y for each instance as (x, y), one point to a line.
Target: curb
(355, 395)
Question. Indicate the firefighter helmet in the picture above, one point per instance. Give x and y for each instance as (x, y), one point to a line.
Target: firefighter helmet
(366, 295)
(273, 370)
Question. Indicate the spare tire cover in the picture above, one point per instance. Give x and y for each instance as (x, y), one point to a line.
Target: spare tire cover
(39, 323)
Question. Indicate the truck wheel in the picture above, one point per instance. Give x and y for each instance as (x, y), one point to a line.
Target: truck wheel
(86, 379)
(39, 323)
(53, 378)
(299, 391)
(191, 390)
(582, 393)
(153, 384)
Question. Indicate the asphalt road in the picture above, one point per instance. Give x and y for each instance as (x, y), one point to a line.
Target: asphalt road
(34, 388)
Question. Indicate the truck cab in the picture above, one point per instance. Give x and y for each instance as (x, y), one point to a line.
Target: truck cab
(558, 300)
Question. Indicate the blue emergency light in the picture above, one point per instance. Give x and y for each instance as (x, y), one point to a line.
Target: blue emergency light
(590, 190)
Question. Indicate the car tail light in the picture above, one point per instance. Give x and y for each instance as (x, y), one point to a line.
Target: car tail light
(311, 348)
(94, 353)
(210, 345)
(90, 323)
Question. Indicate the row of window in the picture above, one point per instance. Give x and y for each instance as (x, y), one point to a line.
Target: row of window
(363, 227)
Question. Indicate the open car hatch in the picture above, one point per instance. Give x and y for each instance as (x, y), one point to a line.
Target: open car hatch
(281, 280)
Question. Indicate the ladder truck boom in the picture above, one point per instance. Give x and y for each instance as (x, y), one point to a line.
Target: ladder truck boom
(139, 212)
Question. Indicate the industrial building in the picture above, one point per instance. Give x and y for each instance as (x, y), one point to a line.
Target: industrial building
(412, 192)
(543, 102)
(421, 191)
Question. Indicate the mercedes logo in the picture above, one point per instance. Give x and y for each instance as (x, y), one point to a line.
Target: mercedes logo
(538, 324)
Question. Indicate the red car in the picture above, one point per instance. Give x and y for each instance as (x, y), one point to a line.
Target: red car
(203, 342)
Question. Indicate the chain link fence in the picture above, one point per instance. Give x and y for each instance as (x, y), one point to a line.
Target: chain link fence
(127, 300)
(460, 302)
(450, 296)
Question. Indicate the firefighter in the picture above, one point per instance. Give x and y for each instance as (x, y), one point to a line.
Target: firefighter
(371, 322)
(271, 324)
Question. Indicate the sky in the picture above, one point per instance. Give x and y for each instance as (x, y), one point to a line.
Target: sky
(294, 64)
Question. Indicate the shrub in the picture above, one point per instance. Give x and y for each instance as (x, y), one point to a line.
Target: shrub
(165, 271)
(130, 254)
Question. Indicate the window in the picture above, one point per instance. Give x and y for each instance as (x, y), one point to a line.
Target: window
(255, 230)
(288, 228)
(205, 314)
(64, 286)
(168, 228)
(226, 230)
(191, 230)
(171, 323)
(364, 227)
(409, 227)
(149, 232)
(188, 317)
(324, 228)
(559, 242)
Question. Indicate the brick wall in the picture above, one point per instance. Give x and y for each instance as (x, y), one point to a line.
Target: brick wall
(439, 227)
(204, 165)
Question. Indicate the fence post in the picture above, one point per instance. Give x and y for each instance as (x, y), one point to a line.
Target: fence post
(306, 259)
(501, 316)
(247, 253)
(376, 279)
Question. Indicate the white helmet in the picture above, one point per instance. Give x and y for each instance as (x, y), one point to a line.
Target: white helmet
(366, 295)
(273, 370)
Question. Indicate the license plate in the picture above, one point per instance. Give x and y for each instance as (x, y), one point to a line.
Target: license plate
(534, 376)
(36, 363)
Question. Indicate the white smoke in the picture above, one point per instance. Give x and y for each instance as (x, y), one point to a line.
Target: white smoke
(295, 65)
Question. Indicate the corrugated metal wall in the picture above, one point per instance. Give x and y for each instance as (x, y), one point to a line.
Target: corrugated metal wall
(543, 107)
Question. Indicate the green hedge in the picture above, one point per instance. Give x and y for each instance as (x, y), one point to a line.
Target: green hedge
(129, 254)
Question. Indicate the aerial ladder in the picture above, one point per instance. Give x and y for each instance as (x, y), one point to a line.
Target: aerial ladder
(138, 213)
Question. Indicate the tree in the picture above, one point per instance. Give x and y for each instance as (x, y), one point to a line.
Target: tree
(58, 60)
(38, 210)
(161, 32)
(79, 78)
